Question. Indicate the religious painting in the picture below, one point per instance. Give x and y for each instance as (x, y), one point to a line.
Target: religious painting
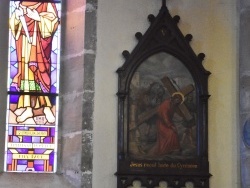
(162, 106)
(162, 109)
(33, 86)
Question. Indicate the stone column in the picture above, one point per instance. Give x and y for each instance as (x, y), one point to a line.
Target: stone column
(244, 86)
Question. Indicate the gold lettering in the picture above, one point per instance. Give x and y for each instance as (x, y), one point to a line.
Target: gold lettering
(30, 156)
(190, 166)
(31, 133)
(163, 165)
(135, 165)
(172, 165)
(179, 165)
(149, 165)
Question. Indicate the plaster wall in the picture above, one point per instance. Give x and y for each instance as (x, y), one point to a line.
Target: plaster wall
(214, 26)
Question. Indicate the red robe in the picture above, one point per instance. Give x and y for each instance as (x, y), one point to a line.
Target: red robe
(40, 53)
(37, 53)
(167, 137)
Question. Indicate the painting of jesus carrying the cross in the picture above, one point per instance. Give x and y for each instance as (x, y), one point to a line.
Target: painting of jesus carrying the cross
(162, 110)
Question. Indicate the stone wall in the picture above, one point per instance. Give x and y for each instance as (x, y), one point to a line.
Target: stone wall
(244, 86)
(77, 91)
(76, 99)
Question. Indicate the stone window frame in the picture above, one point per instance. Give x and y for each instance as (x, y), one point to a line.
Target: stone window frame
(68, 175)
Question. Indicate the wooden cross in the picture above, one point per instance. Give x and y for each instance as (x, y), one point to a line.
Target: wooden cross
(182, 110)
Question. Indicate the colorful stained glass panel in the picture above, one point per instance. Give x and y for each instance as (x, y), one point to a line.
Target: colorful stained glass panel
(37, 116)
(33, 86)
(31, 149)
(30, 55)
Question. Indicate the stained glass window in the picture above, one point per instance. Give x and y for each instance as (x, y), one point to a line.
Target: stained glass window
(33, 86)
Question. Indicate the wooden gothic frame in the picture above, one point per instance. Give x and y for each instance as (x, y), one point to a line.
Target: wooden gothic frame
(163, 35)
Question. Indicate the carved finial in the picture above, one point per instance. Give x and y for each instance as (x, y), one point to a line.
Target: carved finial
(176, 18)
(126, 54)
(163, 3)
(138, 35)
(201, 56)
(151, 18)
(188, 37)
